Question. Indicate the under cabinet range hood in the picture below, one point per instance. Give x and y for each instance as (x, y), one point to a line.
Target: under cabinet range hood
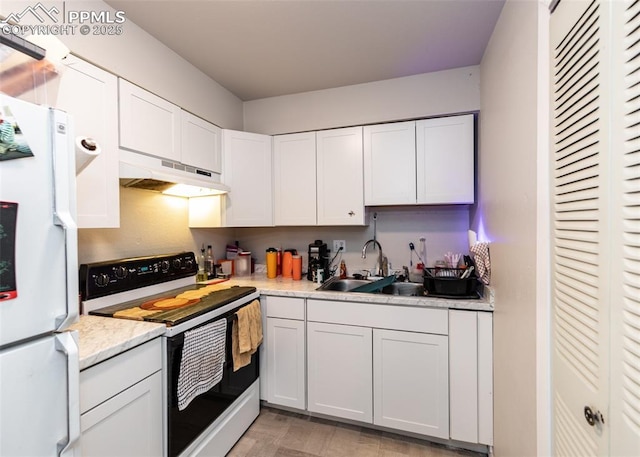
(173, 178)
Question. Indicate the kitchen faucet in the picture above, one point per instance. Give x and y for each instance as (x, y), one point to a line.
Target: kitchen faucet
(383, 266)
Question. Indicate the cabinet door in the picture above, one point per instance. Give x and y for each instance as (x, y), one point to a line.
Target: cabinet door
(285, 363)
(148, 123)
(90, 95)
(128, 424)
(201, 143)
(294, 179)
(247, 171)
(339, 172)
(390, 164)
(463, 360)
(471, 376)
(339, 362)
(445, 160)
(411, 382)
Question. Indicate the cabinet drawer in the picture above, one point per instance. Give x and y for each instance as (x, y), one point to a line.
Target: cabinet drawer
(104, 380)
(394, 317)
(285, 307)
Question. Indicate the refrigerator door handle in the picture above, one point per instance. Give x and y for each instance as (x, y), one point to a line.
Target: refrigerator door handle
(65, 209)
(70, 229)
(66, 342)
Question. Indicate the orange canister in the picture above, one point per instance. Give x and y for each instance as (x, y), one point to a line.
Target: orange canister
(296, 267)
(272, 263)
(287, 264)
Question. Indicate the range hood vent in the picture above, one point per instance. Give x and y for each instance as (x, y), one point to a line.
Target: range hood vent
(147, 184)
(160, 175)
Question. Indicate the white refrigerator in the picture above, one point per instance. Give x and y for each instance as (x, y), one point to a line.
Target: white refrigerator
(39, 375)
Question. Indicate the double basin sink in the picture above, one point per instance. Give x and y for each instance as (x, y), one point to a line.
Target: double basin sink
(395, 288)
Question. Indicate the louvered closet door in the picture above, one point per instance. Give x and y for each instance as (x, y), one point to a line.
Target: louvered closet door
(580, 262)
(625, 295)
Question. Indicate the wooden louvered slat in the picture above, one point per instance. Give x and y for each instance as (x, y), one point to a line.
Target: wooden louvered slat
(625, 369)
(578, 148)
(631, 222)
(571, 440)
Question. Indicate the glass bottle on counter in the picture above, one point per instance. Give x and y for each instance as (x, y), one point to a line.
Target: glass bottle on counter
(202, 275)
(209, 263)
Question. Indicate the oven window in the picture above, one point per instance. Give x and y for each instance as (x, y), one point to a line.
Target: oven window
(8, 220)
(186, 425)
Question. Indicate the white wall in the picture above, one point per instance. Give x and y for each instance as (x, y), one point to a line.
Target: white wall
(431, 94)
(138, 57)
(150, 223)
(508, 196)
(444, 229)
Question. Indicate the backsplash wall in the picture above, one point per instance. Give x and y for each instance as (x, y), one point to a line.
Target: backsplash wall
(152, 223)
(444, 229)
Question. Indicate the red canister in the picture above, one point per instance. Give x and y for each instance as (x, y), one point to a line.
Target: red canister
(296, 267)
(287, 264)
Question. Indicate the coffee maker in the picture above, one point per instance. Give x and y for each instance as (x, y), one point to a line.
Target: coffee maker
(318, 260)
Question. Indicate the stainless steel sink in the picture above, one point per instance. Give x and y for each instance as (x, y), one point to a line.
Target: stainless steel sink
(343, 285)
(396, 288)
(411, 289)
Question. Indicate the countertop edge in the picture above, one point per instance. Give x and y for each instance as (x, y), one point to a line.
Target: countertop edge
(101, 338)
(284, 287)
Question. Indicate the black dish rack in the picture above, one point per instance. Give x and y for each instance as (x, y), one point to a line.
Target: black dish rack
(449, 282)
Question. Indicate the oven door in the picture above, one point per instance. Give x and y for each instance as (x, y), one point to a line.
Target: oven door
(186, 425)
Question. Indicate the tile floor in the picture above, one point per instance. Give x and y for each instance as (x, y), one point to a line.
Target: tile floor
(281, 433)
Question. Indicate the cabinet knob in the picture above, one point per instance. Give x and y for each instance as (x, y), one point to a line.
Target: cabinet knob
(351, 213)
(593, 418)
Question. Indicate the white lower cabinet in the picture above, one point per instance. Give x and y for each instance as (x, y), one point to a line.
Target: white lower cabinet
(339, 365)
(415, 369)
(284, 370)
(285, 363)
(411, 382)
(121, 404)
(471, 376)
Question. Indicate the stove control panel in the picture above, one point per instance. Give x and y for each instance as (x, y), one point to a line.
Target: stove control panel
(114, 276)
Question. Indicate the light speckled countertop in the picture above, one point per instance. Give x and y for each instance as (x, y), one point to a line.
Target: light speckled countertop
(286, 287)
(104, 337)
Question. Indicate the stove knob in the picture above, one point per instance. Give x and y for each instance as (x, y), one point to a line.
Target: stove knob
(121, 272)
(188, 264)
(177, 263)
(102, 280)
(164, 265)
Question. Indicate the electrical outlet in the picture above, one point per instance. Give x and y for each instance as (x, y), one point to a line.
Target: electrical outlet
(337, 244)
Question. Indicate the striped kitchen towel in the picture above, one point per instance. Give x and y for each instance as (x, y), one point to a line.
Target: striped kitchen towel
(202, 364)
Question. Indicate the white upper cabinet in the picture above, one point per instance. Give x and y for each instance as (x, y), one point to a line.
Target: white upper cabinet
(247, 163)
(431, 161)
(339, 177)
(294, 179)
(445, 160)
(390, 164)
(201, 143)
(148, 123)
(90, 95)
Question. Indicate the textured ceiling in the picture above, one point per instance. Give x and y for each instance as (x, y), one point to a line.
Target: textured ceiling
(259, 49)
